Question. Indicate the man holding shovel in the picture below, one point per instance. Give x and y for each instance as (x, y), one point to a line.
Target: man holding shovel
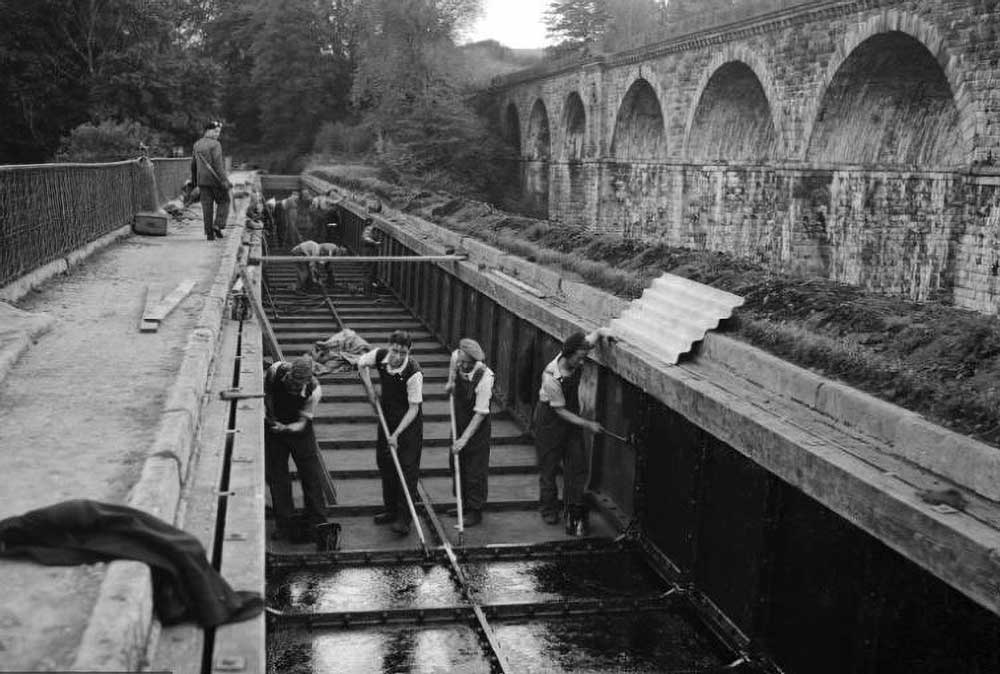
(470, 386)
(402, 385)
(208, 172)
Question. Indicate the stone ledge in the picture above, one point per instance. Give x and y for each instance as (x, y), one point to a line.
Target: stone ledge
(120, 629)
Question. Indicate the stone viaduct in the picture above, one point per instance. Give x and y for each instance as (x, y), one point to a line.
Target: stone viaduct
(853, 139)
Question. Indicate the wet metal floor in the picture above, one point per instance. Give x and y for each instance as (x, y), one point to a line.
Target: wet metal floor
(515, 595)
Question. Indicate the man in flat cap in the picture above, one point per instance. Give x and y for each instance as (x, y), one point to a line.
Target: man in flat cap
(291, 394)
(208, 172)
(558, 429)
(470, 383)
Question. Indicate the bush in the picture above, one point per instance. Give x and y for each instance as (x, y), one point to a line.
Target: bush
(110, 141)
(338, 138)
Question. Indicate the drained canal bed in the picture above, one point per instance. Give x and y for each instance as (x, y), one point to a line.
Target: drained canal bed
(512, 595)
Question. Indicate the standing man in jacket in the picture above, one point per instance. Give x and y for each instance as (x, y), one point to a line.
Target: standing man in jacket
(208, 172)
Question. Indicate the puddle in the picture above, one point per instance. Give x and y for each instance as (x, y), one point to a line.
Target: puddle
(598, 576)
(453, 649)
(362, 589)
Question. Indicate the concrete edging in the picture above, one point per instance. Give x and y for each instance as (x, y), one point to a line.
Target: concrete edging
(119, 630)
(12, 292)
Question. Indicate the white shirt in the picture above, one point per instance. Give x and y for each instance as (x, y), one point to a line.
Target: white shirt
(484, 389)
(414, 385)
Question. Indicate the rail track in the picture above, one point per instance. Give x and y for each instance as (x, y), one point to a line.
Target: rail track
(517, 596)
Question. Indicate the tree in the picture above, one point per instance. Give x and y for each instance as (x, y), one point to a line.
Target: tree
(576, 24)
(409, 86)
(301, 68)
(585, 26)
(73, 61)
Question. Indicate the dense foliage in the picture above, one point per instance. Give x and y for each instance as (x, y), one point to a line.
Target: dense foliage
(581, 27)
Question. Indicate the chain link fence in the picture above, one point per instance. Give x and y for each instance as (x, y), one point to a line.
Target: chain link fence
(49, 210)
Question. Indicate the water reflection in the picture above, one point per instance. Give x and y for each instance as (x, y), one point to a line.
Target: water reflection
(364, 588)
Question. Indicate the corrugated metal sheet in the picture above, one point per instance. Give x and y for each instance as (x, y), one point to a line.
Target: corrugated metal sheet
(672, 314)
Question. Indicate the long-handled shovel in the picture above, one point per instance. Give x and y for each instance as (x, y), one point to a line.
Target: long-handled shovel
(458, 473)
(402, 479)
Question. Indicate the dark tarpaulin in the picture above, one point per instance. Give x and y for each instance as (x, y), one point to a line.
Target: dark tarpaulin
(185, 585)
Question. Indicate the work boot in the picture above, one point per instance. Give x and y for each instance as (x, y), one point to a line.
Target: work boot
(571, 523)
(385, 518)
(472, 518)
(550, 517)
(327, 537)
(400, 527)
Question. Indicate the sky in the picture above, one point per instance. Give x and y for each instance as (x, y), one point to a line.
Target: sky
(513, 23)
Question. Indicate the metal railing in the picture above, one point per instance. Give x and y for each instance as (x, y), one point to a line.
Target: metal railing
(49, 210)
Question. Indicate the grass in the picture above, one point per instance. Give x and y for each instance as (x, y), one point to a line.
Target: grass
(932, 358)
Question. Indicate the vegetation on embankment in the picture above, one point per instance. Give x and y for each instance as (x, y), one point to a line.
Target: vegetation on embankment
(930, 357)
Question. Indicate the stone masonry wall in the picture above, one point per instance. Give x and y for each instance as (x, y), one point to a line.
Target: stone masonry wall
(855, 140)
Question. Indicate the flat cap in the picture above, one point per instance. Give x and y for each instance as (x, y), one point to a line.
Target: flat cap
(472, 349)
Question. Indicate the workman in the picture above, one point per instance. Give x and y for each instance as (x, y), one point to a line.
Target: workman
(208, 172)
(470, 383)
(308, 273)
(291, 394)
(371, 243)
(558, 429)
(402, 385)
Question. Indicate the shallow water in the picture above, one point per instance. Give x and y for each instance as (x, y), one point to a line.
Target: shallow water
(453, 649)
(598, 576)
(640, 642)
(363, 588)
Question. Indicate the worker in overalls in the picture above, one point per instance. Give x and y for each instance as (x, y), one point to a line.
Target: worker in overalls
(402, 385)
(291, 394)
(558, 429)
(470, 383)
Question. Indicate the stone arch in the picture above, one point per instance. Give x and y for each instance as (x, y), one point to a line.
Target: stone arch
(896, 70)
(537, 152)
(512, 127)
(734, 116)
(640, 132)
(574, 127)
(539, 140)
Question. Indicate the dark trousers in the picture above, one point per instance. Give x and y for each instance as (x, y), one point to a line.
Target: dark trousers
(212, 197)
(409, 450)
(559, 443)
(302, 448)
(474, 466)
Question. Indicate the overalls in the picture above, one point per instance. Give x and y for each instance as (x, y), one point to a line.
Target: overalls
(286, 408)
(474, 459)
(558, 441)
(394, 406)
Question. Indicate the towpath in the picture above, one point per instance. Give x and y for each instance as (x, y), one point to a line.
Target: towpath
(80, 409)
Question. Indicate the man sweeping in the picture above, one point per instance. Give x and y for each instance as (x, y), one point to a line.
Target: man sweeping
(470, 383)
(402, 384)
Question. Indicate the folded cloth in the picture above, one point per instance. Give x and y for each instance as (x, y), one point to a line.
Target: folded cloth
(340, 352)
(185, 585)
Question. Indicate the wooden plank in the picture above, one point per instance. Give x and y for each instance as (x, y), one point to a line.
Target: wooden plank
(270, 338)
(154, 292)
(180, 648)
(242, 645)
(167, 304)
